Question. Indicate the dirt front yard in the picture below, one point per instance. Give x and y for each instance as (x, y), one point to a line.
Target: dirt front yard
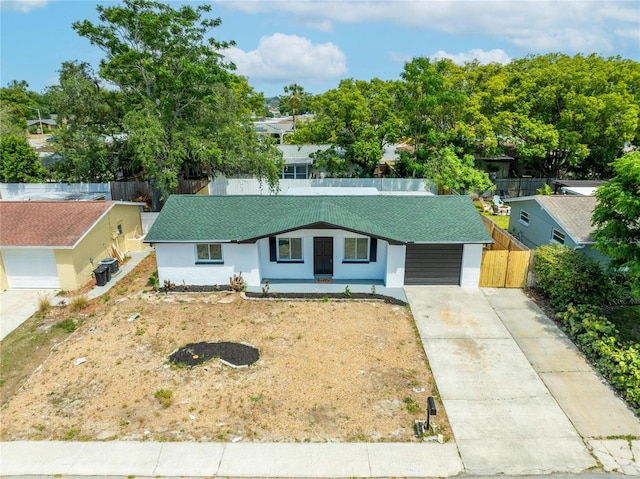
(328, 371)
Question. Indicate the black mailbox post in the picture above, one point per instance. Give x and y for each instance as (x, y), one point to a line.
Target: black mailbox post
(431, 409)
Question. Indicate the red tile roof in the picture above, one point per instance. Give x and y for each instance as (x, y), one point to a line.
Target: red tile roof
(48, 223)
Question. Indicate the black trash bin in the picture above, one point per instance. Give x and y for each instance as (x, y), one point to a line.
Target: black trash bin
(112, 263)
(102, 274)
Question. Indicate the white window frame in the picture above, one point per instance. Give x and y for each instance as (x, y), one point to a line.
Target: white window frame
(524, 218)
(356, 259)
(295, 172)
(209, 260)
(558, 236)
(289, 239)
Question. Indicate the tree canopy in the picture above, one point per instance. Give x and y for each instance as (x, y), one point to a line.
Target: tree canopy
(18, 162)
(185, 109)
(617, 217)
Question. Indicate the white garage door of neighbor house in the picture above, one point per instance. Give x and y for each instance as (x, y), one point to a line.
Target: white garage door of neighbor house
(31, 268)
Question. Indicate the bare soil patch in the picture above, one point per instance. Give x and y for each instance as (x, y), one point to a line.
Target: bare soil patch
(327, 371)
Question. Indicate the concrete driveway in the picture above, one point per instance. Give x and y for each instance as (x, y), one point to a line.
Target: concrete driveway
(17, 305)
(506, 375)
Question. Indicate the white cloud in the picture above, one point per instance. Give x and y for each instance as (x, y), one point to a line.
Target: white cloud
(24, 6)
(533, 25)
(491, 56)
(288, 58)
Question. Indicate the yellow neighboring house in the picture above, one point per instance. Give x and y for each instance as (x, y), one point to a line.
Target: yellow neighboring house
(58, 244)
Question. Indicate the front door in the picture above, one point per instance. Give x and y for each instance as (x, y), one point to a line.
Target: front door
(323, 255)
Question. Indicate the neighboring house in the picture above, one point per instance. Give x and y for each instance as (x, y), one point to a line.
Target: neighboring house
(298, 160)
(562, 219)
(45, 125)
(58, 244)
(576, 187)
(387, 240)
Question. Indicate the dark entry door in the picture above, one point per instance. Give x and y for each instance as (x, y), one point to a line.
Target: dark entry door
(323, 255)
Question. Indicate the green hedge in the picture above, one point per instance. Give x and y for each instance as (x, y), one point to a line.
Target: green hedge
(597, 338)
(577, 287)
(568, 276)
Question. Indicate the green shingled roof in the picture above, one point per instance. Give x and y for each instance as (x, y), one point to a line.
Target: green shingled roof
(402, 219)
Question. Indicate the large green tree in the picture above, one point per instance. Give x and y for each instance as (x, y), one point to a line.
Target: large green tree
(433, 109)
(358, 119)
(561, 114)
(18, 162)
(176, 88)
(617, 217)
(89, 142)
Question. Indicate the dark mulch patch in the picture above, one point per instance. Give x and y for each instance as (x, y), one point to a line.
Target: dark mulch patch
(197, 353)
(316, 296)
(179, 288)
(186, 288)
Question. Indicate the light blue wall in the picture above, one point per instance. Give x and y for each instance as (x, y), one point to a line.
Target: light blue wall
(539, 231)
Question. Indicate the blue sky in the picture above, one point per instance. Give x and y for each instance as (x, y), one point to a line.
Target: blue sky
(318, 43)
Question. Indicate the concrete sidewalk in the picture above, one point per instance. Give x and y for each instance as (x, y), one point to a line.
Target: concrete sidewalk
(153, 459)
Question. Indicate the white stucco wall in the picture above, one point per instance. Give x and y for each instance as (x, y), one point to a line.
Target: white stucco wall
(395, 266)
(341, 270)
(471, 263)
(177, 263)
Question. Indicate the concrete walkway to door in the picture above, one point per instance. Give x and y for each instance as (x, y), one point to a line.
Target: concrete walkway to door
(503, 415)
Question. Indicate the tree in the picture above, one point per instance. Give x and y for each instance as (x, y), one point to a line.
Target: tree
(18, 162)
(563, 114)
(617, 217)
(175, 86)
(90, 142)
(433, 107)
(358, 119)
(295, 100)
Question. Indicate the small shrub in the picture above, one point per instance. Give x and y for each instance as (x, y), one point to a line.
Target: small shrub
(164, 397)
(412, 406)
(78, 303)
(44, 304)
(106, 297)
(347, 291)
(67, 325)
(265, 288)
(154, 281)
(237, 283)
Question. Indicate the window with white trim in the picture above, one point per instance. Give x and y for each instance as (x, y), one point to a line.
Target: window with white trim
(356, 249)
(294, 172)
(524, 217)
(557, 236)
(289, 249)
(209, 253)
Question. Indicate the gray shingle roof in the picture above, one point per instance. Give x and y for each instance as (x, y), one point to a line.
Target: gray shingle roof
(572, 213)
(403, 219)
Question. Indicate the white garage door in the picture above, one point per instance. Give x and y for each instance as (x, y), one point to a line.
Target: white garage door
(31, 268)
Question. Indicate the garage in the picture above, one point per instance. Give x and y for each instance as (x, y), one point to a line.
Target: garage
(433, 264)
(31, 268)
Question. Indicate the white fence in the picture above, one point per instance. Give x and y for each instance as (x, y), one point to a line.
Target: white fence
(251, 186)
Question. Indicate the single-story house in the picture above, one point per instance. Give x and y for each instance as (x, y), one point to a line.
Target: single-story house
(58, 244)
(388, 240)
(563, 219)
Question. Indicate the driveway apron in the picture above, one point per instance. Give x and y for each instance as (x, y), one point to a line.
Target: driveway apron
(504, 419)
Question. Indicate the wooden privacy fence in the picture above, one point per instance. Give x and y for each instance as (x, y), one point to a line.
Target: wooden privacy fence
(505, 263)
(141, 191)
